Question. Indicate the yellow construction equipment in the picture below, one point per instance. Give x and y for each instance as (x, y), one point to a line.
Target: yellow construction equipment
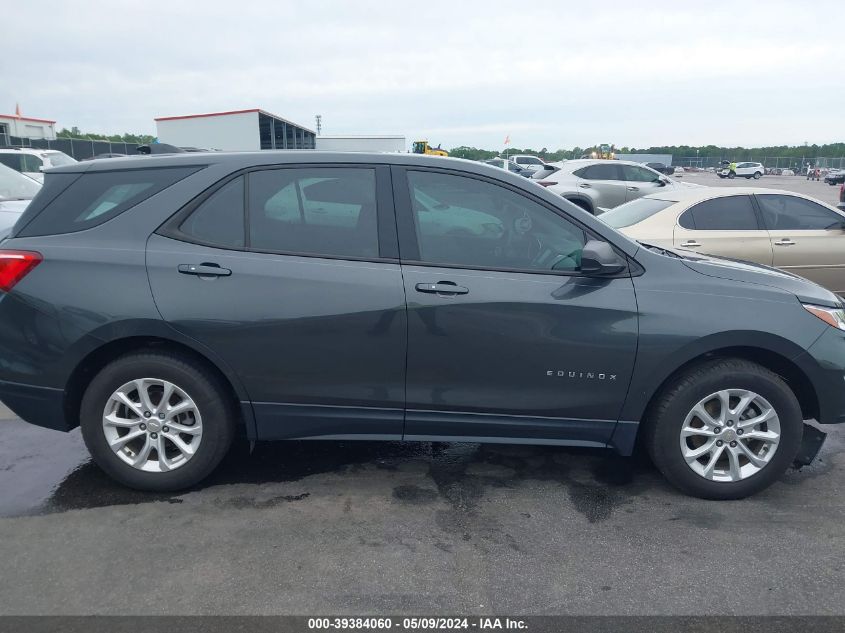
(604, 152)
(422, 147)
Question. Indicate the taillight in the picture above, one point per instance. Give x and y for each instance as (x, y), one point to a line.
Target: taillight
(546, 183)
(14, 266)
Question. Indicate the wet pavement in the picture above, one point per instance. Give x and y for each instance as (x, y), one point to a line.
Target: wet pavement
(367, 528)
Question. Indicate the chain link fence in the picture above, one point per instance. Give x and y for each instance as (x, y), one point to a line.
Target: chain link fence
(78, 148)
(770, 162)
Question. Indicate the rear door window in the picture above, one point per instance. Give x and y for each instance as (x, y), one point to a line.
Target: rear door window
(94, 198)
(317, 211)
(791, 213)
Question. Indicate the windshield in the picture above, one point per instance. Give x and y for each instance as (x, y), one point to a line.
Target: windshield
(634, 212)
(16, 186)
(57, 159)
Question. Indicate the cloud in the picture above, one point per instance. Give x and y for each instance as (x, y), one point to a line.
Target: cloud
(466, 73)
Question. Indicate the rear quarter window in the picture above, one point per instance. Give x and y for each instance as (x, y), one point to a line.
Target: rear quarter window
(93, 198)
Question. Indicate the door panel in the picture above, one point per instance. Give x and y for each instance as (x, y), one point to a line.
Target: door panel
(318, 341)
(816, 255)
(528, 352)
(807, 238)
(550, 356)
(753, 246)
(297, 330)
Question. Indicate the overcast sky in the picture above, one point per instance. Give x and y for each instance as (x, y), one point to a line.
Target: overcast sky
(459, 72)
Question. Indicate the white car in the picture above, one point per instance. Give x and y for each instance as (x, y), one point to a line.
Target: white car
(16, 192)
(31, 162)
(745, 170)
(526, 161)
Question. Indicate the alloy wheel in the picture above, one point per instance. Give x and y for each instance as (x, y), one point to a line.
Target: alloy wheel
(730, 435)
(152, 425)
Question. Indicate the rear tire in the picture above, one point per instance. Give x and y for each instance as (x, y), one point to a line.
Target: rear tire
(200, 414)
(757, 175)
(673, 429)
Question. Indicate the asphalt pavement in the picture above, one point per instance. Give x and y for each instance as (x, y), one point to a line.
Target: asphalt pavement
(370, 528)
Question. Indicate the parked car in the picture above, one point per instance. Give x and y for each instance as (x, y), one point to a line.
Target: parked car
(16, 191)
(316, 297)
(595, 184)
(787, 172)
(32, 162)
(795, 233)
(678, 171)
(668, 170)
(503, 163)
(835, 177)
(528, 162)
(744, 170)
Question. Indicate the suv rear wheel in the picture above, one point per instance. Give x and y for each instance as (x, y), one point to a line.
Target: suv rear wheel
(155, 421)
(725, 429)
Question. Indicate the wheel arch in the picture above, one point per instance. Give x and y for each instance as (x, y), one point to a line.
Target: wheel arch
(99, 356)
(581, 200)
(775, 361)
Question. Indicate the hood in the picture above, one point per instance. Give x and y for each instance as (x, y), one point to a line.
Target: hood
(749, 272)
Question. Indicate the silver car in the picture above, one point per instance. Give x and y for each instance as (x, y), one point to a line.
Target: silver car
(595, 185)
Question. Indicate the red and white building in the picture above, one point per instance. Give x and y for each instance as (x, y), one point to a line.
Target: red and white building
(26, 127)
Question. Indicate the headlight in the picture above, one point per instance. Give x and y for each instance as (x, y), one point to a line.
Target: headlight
(834, 317)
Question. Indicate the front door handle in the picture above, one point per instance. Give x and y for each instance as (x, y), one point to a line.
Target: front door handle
(204, 270)
(784, 242)
(690, 244)
(633, 188)
(442, 288)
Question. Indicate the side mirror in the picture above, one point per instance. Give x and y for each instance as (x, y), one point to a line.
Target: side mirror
(599, 258)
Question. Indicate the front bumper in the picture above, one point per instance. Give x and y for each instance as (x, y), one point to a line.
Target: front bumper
(42, 406)
(824, 364)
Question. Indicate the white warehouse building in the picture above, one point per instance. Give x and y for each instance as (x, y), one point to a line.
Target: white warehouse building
(362, 143)
(26, 127)
(245, 130)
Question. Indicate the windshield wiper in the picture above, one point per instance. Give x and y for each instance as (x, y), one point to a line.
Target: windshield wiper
(660, 250)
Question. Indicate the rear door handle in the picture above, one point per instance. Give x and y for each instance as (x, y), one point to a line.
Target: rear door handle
(585, 185)
(204, 270)
(633, 188)
(784, 242)
(442, 288)
(690, 244)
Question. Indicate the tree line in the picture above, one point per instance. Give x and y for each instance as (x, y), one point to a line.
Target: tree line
(798, 152)
(75, 132)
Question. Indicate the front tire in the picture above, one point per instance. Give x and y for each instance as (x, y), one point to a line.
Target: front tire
(732, 175)
(156, 421)
(725, 429)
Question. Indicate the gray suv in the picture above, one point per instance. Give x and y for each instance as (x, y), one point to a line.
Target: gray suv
(165, 304)
(598, 185)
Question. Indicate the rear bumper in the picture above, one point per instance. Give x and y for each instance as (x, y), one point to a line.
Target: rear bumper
(41, 406)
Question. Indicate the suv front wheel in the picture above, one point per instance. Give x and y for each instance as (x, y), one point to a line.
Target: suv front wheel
(156, 421)
(725, 429)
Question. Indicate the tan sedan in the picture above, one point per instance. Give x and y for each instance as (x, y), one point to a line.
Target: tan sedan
(778, 228)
